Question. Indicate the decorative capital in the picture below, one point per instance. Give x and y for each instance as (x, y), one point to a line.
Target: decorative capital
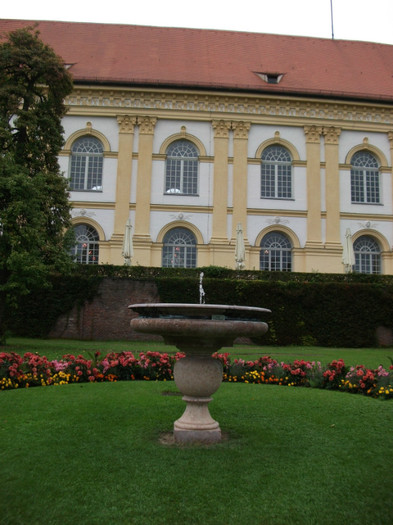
(390, 137)
(221, 128)
(313, 134)
(146, 125)
(241, 129)
(331, 134)
(126, 123)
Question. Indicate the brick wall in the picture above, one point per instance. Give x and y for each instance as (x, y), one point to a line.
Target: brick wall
(108, 317)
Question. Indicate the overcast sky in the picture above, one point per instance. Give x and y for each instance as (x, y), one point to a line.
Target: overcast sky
(370, 20)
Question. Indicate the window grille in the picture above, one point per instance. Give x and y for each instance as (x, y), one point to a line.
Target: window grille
(181, 172)
(276, 253)
(276, 173)
(364, 178)
(86, 164)
(179, 250)
(86, 250)
(367, 255)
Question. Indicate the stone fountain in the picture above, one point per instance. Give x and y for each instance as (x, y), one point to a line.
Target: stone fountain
(198, 330)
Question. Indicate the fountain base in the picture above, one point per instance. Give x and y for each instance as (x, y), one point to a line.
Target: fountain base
(196, 423)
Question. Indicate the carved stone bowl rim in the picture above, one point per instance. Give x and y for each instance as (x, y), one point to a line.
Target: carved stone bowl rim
(190, 310)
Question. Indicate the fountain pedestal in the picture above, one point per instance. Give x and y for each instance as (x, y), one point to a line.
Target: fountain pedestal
(197, 378)
(198, 331)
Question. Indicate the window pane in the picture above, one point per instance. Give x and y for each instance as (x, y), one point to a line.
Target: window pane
(364, 178)
(367, 255)
(181, 171)
(276, 253)
(86, 164)
(86, 250)
(179, 250)
(276, 173)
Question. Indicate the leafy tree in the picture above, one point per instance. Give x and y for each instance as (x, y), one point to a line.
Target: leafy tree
(34, 206)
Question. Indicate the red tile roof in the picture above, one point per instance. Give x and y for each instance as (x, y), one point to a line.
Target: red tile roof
(225, 60)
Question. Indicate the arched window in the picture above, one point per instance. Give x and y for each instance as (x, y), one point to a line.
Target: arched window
(179, 250)
(364, 178)
(367, 255)
(181, 172)
(276, 173)
(86, 248)
(276, 252)
(86, 164)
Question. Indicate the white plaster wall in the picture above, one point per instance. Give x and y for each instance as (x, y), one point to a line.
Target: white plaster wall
(108, 193)
(160, 219)
(323, 189)
(350, 139)
(105, 218)
(205, 186)
(106, 125)
(261, 133)
(134, 180)
(384, 228)
(200, 130)
(256, 224)
(298, 202)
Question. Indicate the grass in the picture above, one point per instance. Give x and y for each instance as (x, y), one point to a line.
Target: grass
(91, 454)
(56, 348)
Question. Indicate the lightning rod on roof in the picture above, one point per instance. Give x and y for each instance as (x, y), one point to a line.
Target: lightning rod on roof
(331, 17)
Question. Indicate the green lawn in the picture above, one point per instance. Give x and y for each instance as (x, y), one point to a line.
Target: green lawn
(91, 454)
(55, 349)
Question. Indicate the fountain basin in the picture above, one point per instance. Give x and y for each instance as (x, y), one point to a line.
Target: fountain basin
(198, 330)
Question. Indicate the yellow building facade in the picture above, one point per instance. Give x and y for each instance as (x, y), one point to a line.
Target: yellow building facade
(310, 199)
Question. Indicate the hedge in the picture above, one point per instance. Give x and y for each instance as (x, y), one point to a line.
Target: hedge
(307, 309)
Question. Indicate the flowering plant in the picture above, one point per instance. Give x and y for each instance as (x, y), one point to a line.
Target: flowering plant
(33, 370)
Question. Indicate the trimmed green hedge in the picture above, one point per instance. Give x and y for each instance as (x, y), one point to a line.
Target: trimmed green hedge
(307, 309)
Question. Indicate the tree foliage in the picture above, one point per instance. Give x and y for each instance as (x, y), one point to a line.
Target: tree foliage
(34, 206)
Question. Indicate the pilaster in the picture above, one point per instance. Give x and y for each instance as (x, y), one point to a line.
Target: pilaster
(313, 246)
(332, 191)
(219, 239)
(240, 144)
(142, 240)
(123, 182)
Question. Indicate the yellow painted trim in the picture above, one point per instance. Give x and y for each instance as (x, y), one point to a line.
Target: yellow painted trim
(88, 130)
(368, 147)
(185, 136)
(86, 220)
(181, 208)
(366, 216)
(179, 224)
(282, 142)
(276, 212)
(93, 205)
(278, 228)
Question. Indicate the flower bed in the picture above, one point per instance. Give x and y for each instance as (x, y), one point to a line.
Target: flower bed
(35, 370)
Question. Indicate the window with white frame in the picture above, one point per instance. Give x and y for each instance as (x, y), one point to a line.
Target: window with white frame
(276, 173)
(276, 253)
(367, 255)
(181, 170)
(86, 164)
(365, 178)
(179, 249)
(86, 250)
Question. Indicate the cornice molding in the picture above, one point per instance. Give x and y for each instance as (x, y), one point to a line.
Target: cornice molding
(254, 107)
